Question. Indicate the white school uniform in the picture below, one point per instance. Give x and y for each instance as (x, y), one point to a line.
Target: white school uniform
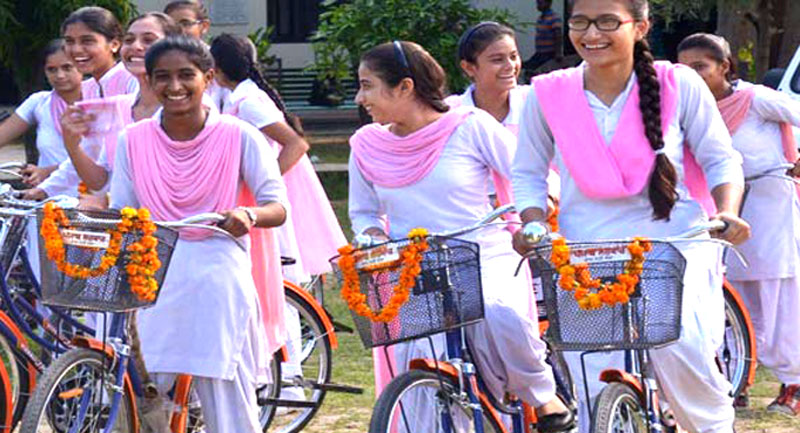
(689, 377)
(255, 107)
(506, 344)
(116, 81)
(770, 285)
(35, 110)
(207, 321)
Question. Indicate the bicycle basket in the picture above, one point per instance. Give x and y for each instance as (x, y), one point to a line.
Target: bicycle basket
(651, 319)
(85, 247)
(447, 293)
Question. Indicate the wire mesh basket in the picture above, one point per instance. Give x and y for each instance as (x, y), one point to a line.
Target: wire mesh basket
(652, 317)
(84, 244)
(447, 293)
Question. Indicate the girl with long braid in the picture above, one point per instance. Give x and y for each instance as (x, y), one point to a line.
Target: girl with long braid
(760, 120)
(616, 126)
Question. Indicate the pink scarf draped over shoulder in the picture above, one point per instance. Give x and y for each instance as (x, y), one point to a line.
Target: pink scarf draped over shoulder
(734, 111)
(177, 179)
(623, 167)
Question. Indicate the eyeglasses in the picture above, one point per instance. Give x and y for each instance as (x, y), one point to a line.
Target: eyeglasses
(606, 23)
(188, 23)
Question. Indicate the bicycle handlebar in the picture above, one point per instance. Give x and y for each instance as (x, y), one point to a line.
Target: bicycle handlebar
(771, 173)
(9, 167)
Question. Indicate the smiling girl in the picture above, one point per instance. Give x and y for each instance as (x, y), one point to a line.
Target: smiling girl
(424, 165)
(92, 39)
(616, 126)
(190, 160)
(91, 155)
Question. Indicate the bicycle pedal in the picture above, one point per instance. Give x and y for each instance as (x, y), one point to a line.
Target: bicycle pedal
(341, 327)
(340, 388)
(286, 403)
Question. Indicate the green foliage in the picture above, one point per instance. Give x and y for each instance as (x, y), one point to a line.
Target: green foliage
(745, 55)
(347, 29)
(261, 40)
(29, 25)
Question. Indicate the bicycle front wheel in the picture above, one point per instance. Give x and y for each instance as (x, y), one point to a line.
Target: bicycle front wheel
(618, 410)
(75, 394)
(417, 401)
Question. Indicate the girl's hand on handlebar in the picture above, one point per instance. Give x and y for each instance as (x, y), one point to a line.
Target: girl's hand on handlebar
(33, 194)
(521, 245)
(236, 222)
(795, 171)
(738, 230)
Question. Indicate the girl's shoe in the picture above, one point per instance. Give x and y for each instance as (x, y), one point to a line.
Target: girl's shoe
(787, 402)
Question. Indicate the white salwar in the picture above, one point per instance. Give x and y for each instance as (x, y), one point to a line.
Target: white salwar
(505, 345)
(207, 322)
(697, 391)
(770, 286)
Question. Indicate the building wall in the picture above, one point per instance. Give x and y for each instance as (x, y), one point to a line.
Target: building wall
(230, 16)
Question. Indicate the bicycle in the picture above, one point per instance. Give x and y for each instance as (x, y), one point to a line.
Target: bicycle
(648, 318)
(447, 297)
(92, 388)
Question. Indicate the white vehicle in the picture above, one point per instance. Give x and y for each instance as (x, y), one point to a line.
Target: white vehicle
(790, 83)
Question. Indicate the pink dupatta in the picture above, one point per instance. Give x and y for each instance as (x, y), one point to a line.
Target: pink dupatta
(623, 167)
(116, 81)
(317, 230)
(734, 111)
(176, 179)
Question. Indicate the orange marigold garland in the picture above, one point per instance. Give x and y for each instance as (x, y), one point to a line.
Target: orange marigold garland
(590, 293)
(83, 189)
(410, 258)
(143, 260)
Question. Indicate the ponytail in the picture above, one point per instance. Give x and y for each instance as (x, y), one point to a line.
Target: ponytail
(662, 192)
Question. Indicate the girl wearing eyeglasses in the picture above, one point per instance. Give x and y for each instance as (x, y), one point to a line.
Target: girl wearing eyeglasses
(760, 120)
(423, 164)
(616, 126)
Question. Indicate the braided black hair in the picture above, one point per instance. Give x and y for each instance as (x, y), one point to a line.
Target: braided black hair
(235, 57)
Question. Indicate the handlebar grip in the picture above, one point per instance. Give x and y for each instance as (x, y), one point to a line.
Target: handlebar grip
(717, 226)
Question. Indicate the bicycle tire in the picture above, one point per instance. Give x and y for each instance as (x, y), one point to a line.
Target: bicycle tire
(6, 404)
(616, 404)
(316, 365)
(45, 412)
(736, 354)
(21, 374)
(385, 419)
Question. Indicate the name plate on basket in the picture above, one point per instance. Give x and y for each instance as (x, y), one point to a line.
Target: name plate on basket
(85, 239)
(378, 257)
(590, 254)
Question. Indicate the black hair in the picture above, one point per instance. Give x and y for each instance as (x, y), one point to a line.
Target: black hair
(235, 56)
(430, 80)
(197, 6)
(662, 185)
(480, 36)
(168, 25)
(51, 48)
(97, 19)
(195, 50)
(716, 47)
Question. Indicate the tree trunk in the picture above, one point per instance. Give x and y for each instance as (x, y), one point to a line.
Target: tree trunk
(791, 35)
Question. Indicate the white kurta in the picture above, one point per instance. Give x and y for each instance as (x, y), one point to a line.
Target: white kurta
(207, 321)
(770, 286)
(684, 365)
(35, 110)
(453, 195)
(771, 207)
(116, 81)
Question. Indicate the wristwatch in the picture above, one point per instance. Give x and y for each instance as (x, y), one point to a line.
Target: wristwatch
(251, 214)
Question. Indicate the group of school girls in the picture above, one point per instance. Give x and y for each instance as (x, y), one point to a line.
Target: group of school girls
(640, 147)
(193, 128)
